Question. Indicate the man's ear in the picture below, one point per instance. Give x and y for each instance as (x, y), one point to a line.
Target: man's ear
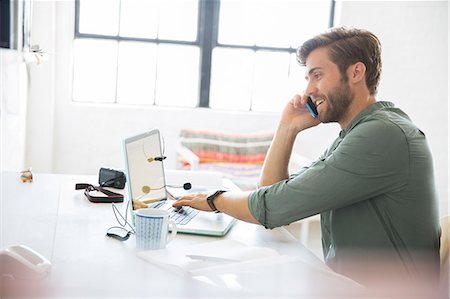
(356, 72)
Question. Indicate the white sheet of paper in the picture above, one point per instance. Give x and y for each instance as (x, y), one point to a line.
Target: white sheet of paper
(278, 277)
(212, 251)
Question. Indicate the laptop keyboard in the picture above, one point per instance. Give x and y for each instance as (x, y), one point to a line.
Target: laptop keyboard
(182, 216)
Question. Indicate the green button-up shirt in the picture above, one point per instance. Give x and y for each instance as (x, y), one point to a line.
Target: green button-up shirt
(374, 188)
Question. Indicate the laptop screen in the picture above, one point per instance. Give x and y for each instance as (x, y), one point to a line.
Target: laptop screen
(144, 167)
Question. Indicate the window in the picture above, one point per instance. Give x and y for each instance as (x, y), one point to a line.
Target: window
(229, 54)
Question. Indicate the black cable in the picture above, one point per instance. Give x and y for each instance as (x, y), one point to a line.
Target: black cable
(116, 211)
(122, 225)
(117, 236)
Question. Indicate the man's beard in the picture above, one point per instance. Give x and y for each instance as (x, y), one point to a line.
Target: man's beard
(338, 100)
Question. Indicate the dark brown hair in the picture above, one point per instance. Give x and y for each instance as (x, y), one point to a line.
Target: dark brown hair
(347, 46)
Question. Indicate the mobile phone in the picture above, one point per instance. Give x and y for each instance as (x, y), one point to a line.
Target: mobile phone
(312, 107)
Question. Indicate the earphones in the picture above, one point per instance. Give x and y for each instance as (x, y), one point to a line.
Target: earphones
(116, 236)
(147, 189)
(122, 227)
(160, 159)
(185, 186)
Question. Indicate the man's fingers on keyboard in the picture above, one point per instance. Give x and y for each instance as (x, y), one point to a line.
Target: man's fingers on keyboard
(180, 202)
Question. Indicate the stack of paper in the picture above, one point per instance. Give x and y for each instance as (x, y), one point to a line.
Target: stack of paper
(253, 271)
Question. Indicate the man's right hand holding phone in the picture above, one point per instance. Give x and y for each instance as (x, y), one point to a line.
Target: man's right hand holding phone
(297, 116)
(294, 119)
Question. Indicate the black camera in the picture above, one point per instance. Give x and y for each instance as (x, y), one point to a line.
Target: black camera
(111, 178)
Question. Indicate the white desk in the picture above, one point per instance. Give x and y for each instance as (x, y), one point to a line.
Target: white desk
(50, 216)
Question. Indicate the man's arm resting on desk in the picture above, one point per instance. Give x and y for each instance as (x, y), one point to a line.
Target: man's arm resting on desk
(234, 204)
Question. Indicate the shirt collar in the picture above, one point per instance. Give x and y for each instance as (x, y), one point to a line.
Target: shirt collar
(366, 112)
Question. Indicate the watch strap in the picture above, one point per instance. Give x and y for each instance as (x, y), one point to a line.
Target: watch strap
(210, 200)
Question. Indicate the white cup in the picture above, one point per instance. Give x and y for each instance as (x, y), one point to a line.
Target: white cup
(152, 228)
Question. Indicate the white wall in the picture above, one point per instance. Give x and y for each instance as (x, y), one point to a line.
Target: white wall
(80, 138)
(41, 102)
(13, 95)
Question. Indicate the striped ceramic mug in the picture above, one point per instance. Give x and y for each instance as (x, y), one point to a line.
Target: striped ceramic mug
(152, 228)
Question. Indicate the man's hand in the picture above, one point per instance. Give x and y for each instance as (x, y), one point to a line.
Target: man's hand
(196, 201)
(297, 116)
(294, 119)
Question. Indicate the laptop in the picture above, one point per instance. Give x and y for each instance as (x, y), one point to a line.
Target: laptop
(147, 187)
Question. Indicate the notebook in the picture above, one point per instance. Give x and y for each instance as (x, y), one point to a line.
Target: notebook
(146, 187)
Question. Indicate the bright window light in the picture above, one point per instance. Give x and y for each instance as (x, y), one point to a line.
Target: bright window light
(231, 79)
(270, 81)
(136, 73)
(221, 54)
(281, 23)
(139, 18)
(95, 70)
(99, 17)
(177, 76)
(178, 20)
(237, 23)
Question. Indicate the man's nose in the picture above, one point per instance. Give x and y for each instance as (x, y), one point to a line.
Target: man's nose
(311, 89)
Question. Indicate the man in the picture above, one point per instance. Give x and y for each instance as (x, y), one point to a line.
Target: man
(374, 186)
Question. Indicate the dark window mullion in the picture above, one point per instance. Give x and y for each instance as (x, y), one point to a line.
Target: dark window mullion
(332, 9)
(207, 35)
(136, 39)
(118, 55)
(77, 18)
(257, 48)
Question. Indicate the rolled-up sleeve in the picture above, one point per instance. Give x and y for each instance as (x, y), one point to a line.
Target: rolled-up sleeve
(372, 159)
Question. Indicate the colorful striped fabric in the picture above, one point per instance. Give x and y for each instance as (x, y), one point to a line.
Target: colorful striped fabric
(212, 147)
(238, 156)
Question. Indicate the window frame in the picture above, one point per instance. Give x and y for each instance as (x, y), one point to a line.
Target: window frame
(207, 40)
